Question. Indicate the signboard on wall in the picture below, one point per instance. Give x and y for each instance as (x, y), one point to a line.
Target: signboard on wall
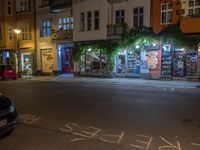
(47, 61)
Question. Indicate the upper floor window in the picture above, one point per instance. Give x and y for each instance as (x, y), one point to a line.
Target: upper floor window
(138, 17)
(44, 2)
(166, 13)
(24, 5)
(46, 28)
(10, 33)
(9, 7)
(82, 22)
(89, 21)
(193, 7)
(25, 32)
(65, 23)
(119, 16)
(96, 20)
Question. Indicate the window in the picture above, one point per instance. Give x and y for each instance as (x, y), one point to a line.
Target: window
(120, 16)
(26, 32)
(82, 22)
(89, 21)
(24, 5)
(193, 7)
(46, 28)
(10, 33)
(138, 16)
(44, 2)
(9, 7)
(65, 23)
(96, 20)
(166, 13)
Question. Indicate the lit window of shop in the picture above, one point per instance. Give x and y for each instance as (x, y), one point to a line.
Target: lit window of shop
(82, 22)
(166, 13)
(94, 61)
(96, 20)
(119, 16)
(10, 33)
(138, 14)
(89, 21)
(46, 28)
(193, 7)
(9, 7)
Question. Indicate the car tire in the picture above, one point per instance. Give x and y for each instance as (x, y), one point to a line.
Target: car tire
(6, 134)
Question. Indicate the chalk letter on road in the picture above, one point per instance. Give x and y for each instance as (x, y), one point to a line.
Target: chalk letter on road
(195, 144)
(145, 143)
(170, 145)
(69, 127)
(109, 138)
(88, 134)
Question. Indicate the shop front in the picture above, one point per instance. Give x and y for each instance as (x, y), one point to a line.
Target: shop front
(27, 63)
(7, 57)
(47, 61)
(128, 63)
(93, 62)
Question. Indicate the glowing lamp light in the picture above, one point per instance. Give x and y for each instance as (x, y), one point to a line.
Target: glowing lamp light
(154, 44)
(17, 31)
(137, 46)
(89, 49)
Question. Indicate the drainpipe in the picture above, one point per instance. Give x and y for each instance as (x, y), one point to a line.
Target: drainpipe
(35, 41)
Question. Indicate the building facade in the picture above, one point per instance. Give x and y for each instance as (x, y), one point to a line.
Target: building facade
(18, 50)
(7, 37)
(178, 61)
(103, 20)
(54, 28)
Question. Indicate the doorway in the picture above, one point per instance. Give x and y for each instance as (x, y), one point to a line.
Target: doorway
(66, 60)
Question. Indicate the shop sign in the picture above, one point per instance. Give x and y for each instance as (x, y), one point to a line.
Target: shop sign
(153, 47)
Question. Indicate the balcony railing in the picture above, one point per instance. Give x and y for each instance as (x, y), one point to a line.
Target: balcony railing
(62, 35)
(58, 5)
(114, 31)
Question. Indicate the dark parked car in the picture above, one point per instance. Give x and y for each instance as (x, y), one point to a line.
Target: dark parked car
(8, 116)
(6, 71)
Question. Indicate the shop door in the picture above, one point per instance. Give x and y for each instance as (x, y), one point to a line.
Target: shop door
(67, 61)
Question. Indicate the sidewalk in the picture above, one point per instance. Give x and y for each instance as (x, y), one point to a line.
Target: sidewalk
(117, 81)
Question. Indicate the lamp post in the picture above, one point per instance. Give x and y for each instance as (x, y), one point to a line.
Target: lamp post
(18, 52)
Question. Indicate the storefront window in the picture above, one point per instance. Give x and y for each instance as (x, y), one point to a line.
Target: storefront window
(121, 63)
(27, 63)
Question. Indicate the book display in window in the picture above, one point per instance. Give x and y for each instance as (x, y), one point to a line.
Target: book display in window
(179, 63)
(191, 62)
(166, 63)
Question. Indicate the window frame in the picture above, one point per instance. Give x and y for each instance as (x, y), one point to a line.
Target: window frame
(139, 16)
(96, 20)
(166, 11)
(193, 8)
(120, 19)
(46, 28)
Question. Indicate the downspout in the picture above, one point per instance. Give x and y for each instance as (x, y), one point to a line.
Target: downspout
(35, 41)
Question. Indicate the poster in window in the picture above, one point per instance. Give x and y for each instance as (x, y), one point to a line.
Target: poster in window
(47, 61)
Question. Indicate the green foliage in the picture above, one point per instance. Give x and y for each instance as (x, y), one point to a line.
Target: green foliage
(173, 34)
(107, 47)
(140, 36)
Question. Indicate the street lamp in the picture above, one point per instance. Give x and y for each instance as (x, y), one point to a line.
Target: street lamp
(18, 52)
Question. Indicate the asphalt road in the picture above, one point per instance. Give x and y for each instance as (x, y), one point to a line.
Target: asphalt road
(93, 115)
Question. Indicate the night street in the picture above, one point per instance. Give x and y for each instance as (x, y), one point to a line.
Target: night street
(104, 114)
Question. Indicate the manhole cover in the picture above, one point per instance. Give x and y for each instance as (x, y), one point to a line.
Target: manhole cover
(192, 122)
